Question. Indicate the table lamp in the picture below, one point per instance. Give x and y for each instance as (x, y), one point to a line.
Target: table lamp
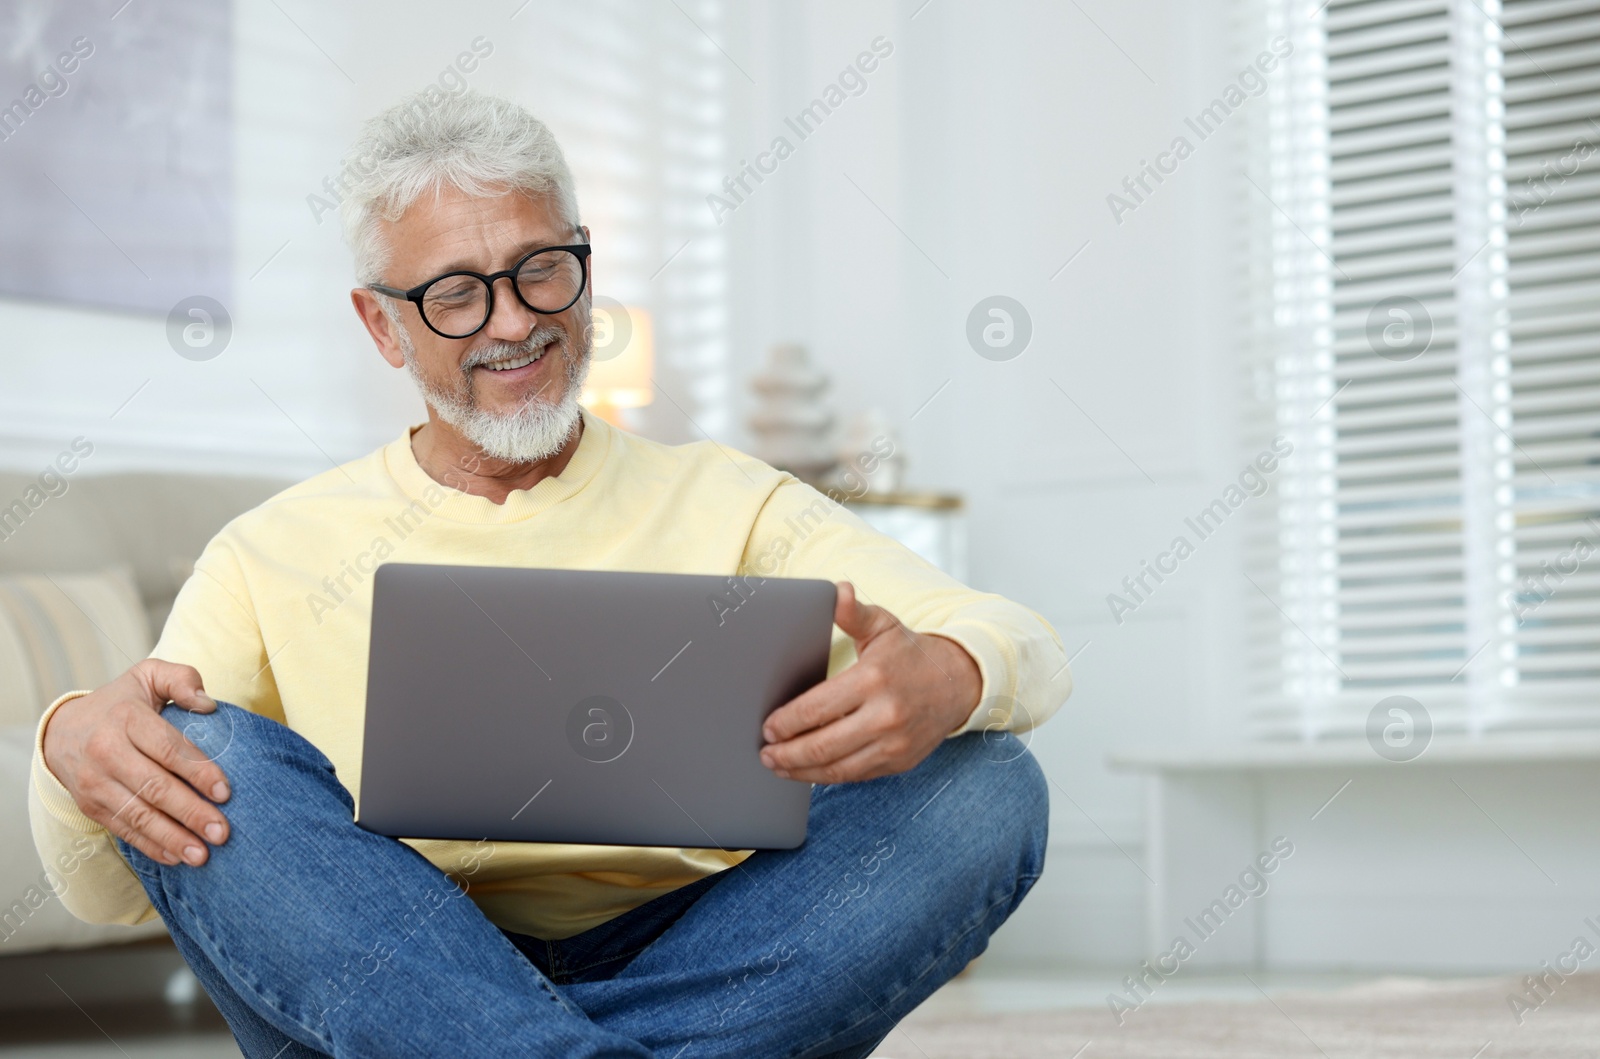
(622, 362)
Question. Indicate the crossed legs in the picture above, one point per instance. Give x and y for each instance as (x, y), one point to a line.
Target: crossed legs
(315, 937)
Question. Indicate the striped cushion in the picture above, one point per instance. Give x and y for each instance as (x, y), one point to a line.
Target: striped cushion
(64, 631)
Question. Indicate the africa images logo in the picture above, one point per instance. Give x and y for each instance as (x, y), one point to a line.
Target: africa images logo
(599, 728)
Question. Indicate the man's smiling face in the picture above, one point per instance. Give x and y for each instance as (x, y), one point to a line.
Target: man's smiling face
(512, 388)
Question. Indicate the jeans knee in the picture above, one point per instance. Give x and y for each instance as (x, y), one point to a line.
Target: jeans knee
(1004, 795)
(278, 784)
(1034, 812)
(255, 753)
(213, 734)
(1030, 797)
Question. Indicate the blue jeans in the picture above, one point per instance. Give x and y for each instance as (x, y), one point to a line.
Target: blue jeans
(315, 937)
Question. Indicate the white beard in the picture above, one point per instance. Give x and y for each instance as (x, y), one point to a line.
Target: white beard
(536, 431)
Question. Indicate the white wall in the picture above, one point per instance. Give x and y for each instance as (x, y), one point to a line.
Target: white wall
(992, 136)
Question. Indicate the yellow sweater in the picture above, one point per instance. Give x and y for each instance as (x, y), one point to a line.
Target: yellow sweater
(277, 613)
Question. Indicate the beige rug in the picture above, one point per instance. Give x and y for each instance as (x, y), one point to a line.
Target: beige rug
(1407, 1018)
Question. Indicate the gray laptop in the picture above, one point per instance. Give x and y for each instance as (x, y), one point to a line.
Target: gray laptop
(584, 706)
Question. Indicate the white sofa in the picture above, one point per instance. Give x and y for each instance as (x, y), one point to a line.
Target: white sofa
(151, 525)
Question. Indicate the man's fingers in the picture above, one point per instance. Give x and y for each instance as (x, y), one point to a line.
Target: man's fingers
(167, 812)
(818, 705)
(154, 850)
(859, 621)
(130, 814)
(820, 746)
(194, 731)
(168, 749)
(172, 682)
(868, 763)
(845, 605)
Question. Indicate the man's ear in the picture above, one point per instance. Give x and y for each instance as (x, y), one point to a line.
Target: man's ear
(588, 280)
(379, 326)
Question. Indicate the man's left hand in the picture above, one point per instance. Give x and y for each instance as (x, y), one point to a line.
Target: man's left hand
(906, 692)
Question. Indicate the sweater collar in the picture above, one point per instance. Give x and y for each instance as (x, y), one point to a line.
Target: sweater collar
(593, 447)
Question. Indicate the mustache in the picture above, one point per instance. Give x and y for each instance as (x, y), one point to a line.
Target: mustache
(541, 337)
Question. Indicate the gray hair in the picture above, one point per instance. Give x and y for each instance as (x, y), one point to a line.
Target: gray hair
(479, 144)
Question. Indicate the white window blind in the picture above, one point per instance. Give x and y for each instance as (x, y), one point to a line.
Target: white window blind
(634, 92)
(1552, 135)
(1424, 327)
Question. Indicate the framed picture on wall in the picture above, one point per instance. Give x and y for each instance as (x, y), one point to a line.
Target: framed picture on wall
(116, 152)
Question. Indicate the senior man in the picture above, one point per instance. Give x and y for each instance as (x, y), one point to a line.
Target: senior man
(212, 781)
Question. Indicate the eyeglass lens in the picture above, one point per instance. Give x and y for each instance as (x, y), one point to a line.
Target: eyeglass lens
(459, 305)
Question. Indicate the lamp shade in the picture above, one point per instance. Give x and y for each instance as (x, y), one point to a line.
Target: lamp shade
(623, 360)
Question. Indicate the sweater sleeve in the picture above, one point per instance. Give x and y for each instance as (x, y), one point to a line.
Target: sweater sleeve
(211, 628)
(802, 533)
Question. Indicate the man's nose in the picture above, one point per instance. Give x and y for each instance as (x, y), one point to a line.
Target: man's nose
(511, 321)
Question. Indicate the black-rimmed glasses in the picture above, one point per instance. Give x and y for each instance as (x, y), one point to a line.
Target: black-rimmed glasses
(458, 304)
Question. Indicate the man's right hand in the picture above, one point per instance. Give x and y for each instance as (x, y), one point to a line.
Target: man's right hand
(133, 772)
